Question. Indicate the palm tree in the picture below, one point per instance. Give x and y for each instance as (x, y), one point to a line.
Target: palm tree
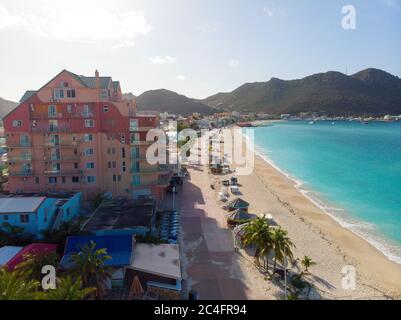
(32, 265)
(89, 264)
(282, 245)
(258, 233)
(14, 286)
(307, 262)
(69, 289)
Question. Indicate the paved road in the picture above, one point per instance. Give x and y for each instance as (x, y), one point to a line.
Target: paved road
(209, 261)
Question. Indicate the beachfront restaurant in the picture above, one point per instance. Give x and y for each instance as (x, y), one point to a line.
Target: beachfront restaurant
(119, 248)
(158, 269)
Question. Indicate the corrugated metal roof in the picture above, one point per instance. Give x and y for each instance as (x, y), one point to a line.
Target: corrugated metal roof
(119, 247)
(27, 95)
(30, 249)
(20, 204)
(91, 81)
(7, 253)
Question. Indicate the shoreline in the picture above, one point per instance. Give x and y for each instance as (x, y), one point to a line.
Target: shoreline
(374, 269)
(346, 224)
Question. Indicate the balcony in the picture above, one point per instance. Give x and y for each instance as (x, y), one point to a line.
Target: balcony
(49, 144)
(18, 145)
(61, 115)
(52, 129)
(141, 143)
(23, 173)
(137, 129)
(74, 172)
(62, 158)
(24, 158)
(159, 169)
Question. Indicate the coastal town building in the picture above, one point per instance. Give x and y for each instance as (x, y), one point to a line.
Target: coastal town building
(78, 133)
(34, 213)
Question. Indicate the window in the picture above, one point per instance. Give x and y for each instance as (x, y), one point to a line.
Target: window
(68, 211)
(75, 165)
(114, 164)
(113, 150)
(104, 94)
(135, 137)
(109, 164)
(5, 217)
(123, 152)
(56, 167)
(89, 151)
(24, 218)
(87, 111)
(52, 179)
(53, 125)
(119, 178)
(88, 137)
(37, 180)
(59, 93)
(62, 179)
(71, 93)
(69, 108)
(52, 111)
(24, 140)
(91, 179)
(17, 123)
(114, 178)
(105, 109)
(90, 165)
(123, 138)
(136, 180)
(75, 179)
(75, 151)
(55, 139)
(89, 123)
(123, 166)
(108, 150)
(64, 84)
(133, 124)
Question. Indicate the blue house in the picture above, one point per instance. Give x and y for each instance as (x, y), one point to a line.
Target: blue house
(37, 213)
(119, 248)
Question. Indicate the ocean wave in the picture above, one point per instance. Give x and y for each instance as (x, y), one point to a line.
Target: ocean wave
(364, 230)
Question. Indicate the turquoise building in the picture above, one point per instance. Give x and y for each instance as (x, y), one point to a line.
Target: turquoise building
(38, 213)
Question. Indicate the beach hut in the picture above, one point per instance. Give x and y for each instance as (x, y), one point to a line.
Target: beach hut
(238, 203)
(238, 217)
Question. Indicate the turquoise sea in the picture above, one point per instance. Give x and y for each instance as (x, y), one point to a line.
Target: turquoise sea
(351, 170)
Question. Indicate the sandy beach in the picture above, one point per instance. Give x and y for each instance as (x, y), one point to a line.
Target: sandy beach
(314, 233)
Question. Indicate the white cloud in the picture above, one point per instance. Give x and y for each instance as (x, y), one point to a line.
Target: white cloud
(393, 4)
(79, 23)
(268, 11)
(181, 77)
(232, 63)
(163, 60)
(210, 27)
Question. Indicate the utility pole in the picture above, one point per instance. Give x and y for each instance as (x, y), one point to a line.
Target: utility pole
(285, 275)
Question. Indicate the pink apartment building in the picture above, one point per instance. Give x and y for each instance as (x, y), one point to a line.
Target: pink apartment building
(78, 133)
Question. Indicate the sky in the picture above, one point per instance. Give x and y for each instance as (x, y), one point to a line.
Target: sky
(193, 47)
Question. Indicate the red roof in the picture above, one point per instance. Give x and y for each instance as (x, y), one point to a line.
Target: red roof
(30, 249)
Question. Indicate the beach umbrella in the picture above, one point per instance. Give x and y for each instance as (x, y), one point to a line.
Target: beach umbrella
(239, 215)
(238, 203)
(136, 288)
